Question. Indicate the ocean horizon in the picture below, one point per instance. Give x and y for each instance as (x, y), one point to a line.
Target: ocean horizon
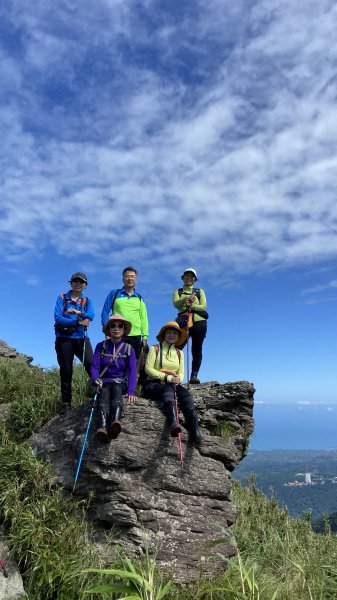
(294, 427)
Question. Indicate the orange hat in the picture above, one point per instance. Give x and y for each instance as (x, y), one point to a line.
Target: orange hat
(172, 325)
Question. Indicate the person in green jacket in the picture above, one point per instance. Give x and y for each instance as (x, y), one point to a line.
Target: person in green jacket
(165, 372)
(129, 303)
(191, 301)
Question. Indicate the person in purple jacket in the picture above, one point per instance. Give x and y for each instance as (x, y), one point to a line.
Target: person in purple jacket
(114, 370)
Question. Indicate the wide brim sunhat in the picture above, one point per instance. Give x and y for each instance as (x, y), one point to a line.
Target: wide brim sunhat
(172, 325)
(117, 317)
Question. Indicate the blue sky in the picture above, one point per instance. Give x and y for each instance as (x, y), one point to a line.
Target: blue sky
(170, 135)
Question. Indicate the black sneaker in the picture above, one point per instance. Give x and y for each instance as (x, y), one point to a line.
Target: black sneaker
(194, 378)
(66, 408)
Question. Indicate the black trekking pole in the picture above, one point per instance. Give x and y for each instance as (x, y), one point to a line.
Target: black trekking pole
(4, 570)
(85, 438)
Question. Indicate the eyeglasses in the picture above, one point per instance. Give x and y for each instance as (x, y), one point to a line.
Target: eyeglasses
(117, 326)
(77, 280)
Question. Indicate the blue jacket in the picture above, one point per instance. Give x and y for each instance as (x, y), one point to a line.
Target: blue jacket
(61, 318)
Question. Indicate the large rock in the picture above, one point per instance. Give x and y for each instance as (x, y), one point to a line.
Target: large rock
(8, 352)
(141, 489)
(11, 586)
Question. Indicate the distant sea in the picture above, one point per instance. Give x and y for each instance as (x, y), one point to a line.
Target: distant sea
(294, 427)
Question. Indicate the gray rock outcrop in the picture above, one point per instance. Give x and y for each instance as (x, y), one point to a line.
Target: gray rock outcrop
(140, 488)
(9, 352)
(11, 586)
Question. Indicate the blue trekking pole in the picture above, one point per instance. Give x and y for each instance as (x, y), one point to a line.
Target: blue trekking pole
(85, 438)
(82, 371)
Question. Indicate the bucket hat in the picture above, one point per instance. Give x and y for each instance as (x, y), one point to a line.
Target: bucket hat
(172, 325)
(117, 317)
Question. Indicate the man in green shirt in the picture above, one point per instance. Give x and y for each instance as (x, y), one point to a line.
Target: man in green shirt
(130, 304)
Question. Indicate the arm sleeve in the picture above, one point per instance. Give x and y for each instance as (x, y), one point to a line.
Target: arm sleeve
(60, 318)
(89, 313)
(144, 324)
(202, 304)
(132, 379)
(107, 307)
(178, 301)
(150, 368)
(96, 362)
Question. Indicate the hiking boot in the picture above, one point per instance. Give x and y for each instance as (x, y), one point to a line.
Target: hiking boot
(173, 423)
(175, 429)
(194, 434)
(115, 427)
(101, 431)
(66, 407)
(102, 434)
(194, 378)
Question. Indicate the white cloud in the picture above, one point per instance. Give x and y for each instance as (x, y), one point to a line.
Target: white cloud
(214, 129)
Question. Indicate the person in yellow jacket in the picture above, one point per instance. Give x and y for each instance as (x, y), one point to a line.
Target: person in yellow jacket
(165, 371)
(191, 301)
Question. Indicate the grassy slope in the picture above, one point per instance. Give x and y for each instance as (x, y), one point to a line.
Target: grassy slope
(278, 556)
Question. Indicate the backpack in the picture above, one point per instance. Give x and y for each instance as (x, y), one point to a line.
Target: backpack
(67, 330)
(91, 386)
(115, 296)
(195, 291)
(182, 320)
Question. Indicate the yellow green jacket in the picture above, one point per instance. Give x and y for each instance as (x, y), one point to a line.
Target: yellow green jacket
(180, 301)
(170, 362)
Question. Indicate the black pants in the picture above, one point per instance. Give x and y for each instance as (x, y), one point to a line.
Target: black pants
(197, 334)
(109, 398)
(135, 341)
(66, 349)
(158, 391)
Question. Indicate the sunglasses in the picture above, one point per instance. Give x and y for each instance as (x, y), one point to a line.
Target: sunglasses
(117, 326)
(77, 280)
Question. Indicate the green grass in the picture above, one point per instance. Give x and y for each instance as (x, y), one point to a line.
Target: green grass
(278, 557)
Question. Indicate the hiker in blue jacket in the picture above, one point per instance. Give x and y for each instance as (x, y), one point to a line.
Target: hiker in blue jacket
(73, 315)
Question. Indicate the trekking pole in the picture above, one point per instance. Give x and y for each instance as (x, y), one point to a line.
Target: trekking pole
(179, 434)
(187, 347)
(85, 438)
(82, 371)
(4, 570)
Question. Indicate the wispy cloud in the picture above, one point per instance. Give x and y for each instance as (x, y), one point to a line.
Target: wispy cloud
(213, 126)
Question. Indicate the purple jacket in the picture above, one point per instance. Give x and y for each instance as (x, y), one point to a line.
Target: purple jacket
(120, 368)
